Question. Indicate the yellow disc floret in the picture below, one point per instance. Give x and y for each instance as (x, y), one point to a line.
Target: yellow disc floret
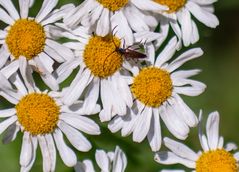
(152, 86)
(216, 161)
(38, 113)
(113, 5)
(173, 5)
(26, 38)
(101, 57)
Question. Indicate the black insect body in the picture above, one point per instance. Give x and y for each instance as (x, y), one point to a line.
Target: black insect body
(130, 53)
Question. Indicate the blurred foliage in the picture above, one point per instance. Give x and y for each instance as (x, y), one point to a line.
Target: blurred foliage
(220, 71)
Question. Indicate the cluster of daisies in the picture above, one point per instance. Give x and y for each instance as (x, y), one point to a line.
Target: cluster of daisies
(111, 46)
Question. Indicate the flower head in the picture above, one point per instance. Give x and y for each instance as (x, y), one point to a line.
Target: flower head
(156, 89)
(43, 118)
(214, 157)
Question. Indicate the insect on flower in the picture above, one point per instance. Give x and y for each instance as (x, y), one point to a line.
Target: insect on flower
(129, 52)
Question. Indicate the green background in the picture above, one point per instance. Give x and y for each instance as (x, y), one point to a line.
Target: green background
(220, 69)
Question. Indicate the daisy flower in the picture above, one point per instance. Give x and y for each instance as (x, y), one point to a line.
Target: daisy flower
(156, 91)
(214, 157)
(179, 18)
(32, 38)
(104, 15)
(43, 119)
(108, 162)
(103, 73)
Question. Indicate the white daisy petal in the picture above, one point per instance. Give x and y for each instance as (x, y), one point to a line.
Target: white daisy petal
(203, 16)
(236, 156)
(195, 33)
(129, 124)
(67, 155)
(46, 75)
(65, 70)
(167, 52)
(188, 55)
(116, 124)
(183, 74)
(89, 166)
(75, 137)
(6, 123)
(221, 143)
(154, 136)
(29, 166)
(77, 87)
(231, 147)
(187, 114)
(180, 149)
(174, 124)
(8, 97)
(7, 112)
(186, 24)
(58, 14)
(204, 2)
(24, 8)
(23, 70)
(75, 16)
(195, 89)
(91, 96)
(119, 106)
(96, 13)
(10, 134)
(10, 69)
(3, 34)
(149, 5)
(4, 54)
(5, 17)
(52, 151)
(213, 130)
(50, 81)
(45, 153)
(46, 8)
(119, 161)
(169, 158)
(46, 61)
(119, 22)
(26, 150)
(16, 80)
(81, 123)
(52, 53)
(102, 160)
(135, 19)
(8, 5)
(65, 52)
(142, 125)
(86, 166)
(102, 28)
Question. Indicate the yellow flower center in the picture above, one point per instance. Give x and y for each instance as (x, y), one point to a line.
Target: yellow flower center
(216, 161)
(100, 55)
(38, 113)
(113, 5)
(26, 38)
(173, 5)
(152, 86)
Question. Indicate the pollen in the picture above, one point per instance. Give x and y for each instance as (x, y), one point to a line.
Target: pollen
(173, 5)
(101, 57)
(113, 5)
(216, 161)
(26, 38)
(38, 113)
(152, 86)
